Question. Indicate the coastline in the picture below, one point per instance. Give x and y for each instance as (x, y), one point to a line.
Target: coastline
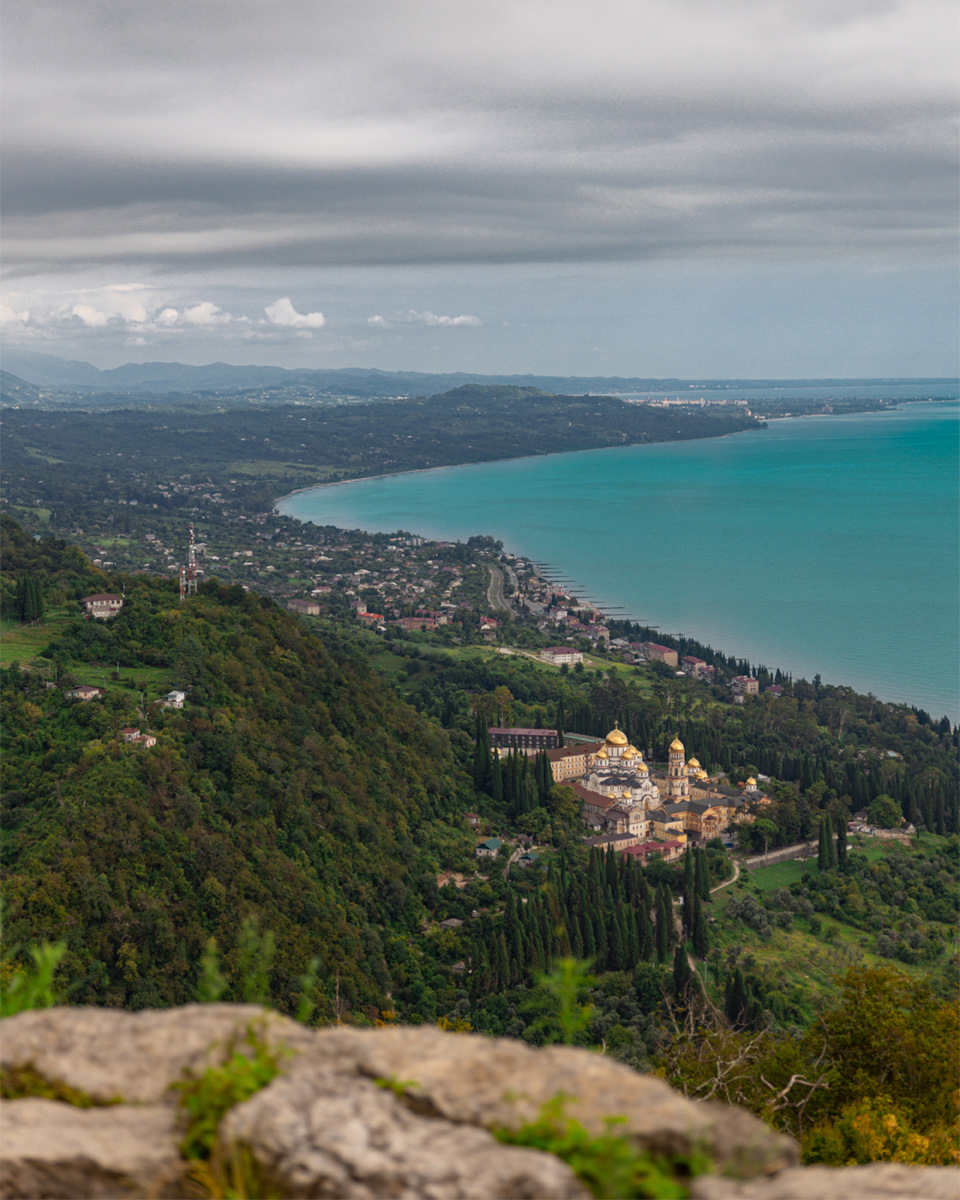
(803, 651)
(479, 462)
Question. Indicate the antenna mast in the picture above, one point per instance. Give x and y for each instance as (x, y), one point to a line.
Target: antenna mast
(192, 565)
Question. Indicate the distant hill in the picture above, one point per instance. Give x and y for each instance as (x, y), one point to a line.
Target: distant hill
(47, 370)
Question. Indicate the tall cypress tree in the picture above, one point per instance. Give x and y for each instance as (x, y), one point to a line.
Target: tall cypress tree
(735, 1000)
(842, 844)
(823, 854)
(589, 938)
(701, 941)
(662, 939)
(496, 780)
(688, 870)
(681, 973)
(702, 883)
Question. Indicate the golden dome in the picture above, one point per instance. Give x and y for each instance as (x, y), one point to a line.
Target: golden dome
(750, 781)
(701, 774)
(615, 737)
(643, 767)
(629, 753)
(676, 744)
(693, 762)
(627, 794)
(601, 753)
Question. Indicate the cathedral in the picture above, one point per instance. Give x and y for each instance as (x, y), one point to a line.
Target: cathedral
(620, 795)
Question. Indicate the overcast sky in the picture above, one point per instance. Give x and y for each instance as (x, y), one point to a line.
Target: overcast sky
(643, 187)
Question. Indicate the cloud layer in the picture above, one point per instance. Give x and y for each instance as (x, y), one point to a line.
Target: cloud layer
(425, 132)
(267, 146)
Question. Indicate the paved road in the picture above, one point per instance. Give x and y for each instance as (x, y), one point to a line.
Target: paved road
(496, 597)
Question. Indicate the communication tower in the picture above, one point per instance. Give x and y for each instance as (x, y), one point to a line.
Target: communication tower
(192, 565)
(183, 582)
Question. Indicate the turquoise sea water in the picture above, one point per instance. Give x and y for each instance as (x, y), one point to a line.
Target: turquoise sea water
(820, 544)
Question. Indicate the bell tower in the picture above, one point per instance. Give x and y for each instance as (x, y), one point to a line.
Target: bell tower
(678, 787)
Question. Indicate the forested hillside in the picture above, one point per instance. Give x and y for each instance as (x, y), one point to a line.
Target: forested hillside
(292, 789)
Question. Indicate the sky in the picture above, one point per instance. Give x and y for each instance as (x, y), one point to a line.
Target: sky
(665, 188)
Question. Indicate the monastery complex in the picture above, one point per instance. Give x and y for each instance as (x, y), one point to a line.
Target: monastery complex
(627, 804)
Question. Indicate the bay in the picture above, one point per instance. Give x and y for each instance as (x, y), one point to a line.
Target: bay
(824, 544)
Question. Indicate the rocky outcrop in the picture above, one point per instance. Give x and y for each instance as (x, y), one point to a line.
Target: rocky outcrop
(364, 1114)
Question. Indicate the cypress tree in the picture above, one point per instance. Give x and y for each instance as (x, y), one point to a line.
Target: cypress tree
(681, 973)
(647, 947)
(501, 962)
(576, 938)
(829, 845)
(496, 780)
(662, 941)
(610, 871)
(615, 955)
(701, 941)
(702, 884)
(823, 855)
(631, 944)
(688, 870)
(842, 844)
(735, 1000)
(589, 938)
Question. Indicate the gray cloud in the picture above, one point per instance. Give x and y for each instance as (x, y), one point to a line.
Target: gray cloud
(376, 133)
(173, 142)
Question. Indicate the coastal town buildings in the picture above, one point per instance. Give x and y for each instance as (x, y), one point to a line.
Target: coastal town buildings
(654, 652)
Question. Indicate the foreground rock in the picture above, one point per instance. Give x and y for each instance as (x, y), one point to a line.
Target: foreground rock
(50, 1149)
(878, 1181)
(365, 1114)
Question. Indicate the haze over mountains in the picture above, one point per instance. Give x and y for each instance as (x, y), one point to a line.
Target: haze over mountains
(47, 370)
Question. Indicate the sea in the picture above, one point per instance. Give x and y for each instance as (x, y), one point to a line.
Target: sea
(820, 545)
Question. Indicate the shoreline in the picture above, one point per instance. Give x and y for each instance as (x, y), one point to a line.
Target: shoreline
(894, 407)
(840, 672)
(482, 462)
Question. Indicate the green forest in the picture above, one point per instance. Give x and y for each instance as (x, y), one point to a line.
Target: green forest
(299, 833)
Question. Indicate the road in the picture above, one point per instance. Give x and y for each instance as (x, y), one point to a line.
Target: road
(496, 597)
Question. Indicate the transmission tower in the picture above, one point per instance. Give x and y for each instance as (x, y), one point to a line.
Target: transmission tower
(192, 565)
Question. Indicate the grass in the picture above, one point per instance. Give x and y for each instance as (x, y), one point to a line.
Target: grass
(22, 643)
(804, 965)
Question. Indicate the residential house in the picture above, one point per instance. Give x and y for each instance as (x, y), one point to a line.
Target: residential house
(490, 848)
(84, 692)
(306, 608)
(173, 699)
(102, 605)
(657, 653)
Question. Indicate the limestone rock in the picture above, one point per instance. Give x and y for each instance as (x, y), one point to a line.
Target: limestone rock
(316, 1133)
(52, 1151)
(484, 1081)
(877, 1181)
(110, 1054)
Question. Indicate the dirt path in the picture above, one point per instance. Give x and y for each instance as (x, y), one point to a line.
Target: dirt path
(727, 882)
